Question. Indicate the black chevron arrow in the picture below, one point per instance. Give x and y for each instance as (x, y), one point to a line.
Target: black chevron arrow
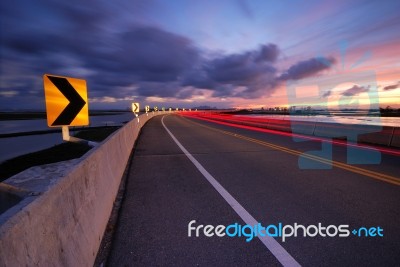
(136, 107)
(76, 102)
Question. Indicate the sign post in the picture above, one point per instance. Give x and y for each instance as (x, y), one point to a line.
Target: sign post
(135, 107)
(66, 104)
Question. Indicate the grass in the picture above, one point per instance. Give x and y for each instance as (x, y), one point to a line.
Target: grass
(61, 152)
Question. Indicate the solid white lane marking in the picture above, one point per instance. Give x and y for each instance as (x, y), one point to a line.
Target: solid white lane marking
(276, 249)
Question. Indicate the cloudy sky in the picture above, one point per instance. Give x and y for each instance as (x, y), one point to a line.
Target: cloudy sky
(220, 53)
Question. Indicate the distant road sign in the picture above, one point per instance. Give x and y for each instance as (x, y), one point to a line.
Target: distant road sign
(147, 108)
(155, 108)
(135, 107)
(66, 101)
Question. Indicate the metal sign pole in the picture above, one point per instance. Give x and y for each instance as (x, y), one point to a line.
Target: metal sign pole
(65, 133)
(72, 139)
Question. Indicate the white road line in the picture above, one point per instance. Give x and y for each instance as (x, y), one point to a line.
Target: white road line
(276, 249)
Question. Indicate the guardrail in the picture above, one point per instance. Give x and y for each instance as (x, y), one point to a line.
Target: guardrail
(65, 206)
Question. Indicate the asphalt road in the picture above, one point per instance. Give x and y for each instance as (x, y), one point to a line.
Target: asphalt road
(262, 172)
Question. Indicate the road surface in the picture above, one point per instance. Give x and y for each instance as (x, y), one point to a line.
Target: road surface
(231, 175)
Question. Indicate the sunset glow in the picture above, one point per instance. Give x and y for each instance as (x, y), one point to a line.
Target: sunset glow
(239, 54)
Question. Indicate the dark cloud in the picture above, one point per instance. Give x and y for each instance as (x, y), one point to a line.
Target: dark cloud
(268, 53)
(237, 69)
(147, 89)
(355, 90)
(326, 94)
(248, 75)
(79, 45)
(251, 74)
(74, 39)
(306, 68)
(148, 54)
(391, 87)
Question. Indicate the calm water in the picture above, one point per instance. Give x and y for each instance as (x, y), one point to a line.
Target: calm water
(16, 146)
(17, 126)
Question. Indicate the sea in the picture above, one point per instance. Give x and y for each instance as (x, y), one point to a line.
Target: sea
(11, 147)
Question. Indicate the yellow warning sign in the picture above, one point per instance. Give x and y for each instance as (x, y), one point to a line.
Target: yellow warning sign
(135, 107)
(66, 101)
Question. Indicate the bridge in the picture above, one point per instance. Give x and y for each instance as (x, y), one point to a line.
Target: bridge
(188, 173)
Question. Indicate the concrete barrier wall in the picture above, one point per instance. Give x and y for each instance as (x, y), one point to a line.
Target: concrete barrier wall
(63, 217)
(372, 134)
(280, 125)
(381, 135)
(65, 210)
(303, 127)
(395, 141)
